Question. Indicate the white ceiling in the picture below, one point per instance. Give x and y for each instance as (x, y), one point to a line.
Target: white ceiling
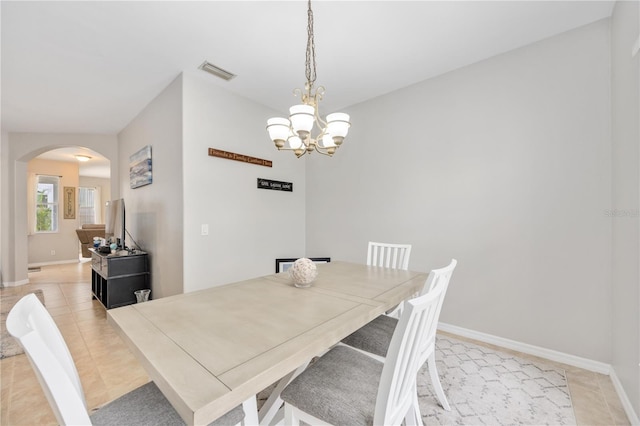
(92, 66)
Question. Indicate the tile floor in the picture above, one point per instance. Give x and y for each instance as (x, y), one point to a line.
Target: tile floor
(108, 370)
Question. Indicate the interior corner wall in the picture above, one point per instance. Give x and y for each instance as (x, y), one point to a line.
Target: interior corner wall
(153, 213)
(625, 94)
(504, 165)
(248, 227)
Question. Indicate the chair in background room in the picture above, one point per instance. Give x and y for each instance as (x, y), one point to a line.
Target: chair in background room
(86, 234)
(30, 323)
(375, 337)
(348, 387)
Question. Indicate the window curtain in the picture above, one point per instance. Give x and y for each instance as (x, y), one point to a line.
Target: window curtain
(87, 212)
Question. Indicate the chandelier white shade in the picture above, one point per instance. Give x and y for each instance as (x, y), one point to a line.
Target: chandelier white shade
(296, 133)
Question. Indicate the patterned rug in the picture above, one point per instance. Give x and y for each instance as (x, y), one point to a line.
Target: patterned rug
(490, 387)
(8, 345)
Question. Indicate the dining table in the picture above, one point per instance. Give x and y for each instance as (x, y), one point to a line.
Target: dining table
(213, 349)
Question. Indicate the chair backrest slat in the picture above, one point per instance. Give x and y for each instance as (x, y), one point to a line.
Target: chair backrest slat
(388, 255)
(437, 278)
(30, 323)
(398, 381)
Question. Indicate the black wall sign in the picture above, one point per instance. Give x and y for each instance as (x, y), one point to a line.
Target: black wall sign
(275, 185)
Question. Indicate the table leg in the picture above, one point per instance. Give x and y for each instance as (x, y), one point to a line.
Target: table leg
(268, 412)
(250, 409)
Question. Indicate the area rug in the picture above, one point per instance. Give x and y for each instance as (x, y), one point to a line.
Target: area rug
(8, 345)
(490, 387)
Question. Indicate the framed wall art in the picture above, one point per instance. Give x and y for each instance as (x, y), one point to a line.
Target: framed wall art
(69, 202)
(140, 173)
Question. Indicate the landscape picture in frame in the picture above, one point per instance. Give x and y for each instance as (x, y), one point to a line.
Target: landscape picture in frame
(140, 173)
(283, 265)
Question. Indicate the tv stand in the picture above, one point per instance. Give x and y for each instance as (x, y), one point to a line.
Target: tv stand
(115, 277)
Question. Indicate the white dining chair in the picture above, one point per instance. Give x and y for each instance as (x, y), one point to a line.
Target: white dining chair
(347, 387)
(375, 337)
(389, 255)
(31, 324)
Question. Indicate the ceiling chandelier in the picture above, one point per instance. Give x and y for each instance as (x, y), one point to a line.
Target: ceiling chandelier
(294, 133)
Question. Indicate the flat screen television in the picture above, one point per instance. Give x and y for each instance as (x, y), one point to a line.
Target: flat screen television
(115, 230)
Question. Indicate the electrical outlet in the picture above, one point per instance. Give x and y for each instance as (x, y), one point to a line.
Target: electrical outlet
(53, 252)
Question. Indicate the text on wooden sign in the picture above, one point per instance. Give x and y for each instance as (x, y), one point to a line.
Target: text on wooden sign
(239, 157)
(275, 185)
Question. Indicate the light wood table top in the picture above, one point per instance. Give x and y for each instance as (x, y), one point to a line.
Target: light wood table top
(210, 350)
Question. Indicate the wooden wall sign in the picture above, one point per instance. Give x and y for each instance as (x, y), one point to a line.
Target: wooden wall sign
(275, 185)
(239, 157)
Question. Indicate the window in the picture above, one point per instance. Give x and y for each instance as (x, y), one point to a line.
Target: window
(87, 210)
(47, 203)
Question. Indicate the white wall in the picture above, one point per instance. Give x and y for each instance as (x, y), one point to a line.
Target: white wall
(60, 246)
(17, 150)
(248, 227)
(625, 89)
(154, 212)
(504, 165)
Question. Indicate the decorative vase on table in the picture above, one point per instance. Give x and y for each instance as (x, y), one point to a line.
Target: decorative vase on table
(303, 272)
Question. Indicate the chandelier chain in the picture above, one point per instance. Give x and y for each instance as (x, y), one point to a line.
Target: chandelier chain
(310, 60)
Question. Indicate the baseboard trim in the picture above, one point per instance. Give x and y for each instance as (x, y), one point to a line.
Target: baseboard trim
(57, 262)
(624, 399)
(576, 361)
(15, 283)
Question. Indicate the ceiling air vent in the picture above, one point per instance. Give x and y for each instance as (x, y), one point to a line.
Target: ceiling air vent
(217, 71)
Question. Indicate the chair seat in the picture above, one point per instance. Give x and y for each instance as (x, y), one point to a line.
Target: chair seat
(374, 337)
(146, 405)
(340, 388)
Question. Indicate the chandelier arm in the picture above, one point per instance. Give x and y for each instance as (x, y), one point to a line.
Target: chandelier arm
(316, 108)
(304, 150)
(319, 94)
(320, 150)
(320, 121)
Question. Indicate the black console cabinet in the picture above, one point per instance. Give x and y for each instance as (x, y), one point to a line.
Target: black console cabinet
(115, 277)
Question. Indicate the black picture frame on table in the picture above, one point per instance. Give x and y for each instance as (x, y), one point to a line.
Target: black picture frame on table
(282, 265)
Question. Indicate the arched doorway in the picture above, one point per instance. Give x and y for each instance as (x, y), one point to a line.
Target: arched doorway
(66, 191)
(18, 149)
